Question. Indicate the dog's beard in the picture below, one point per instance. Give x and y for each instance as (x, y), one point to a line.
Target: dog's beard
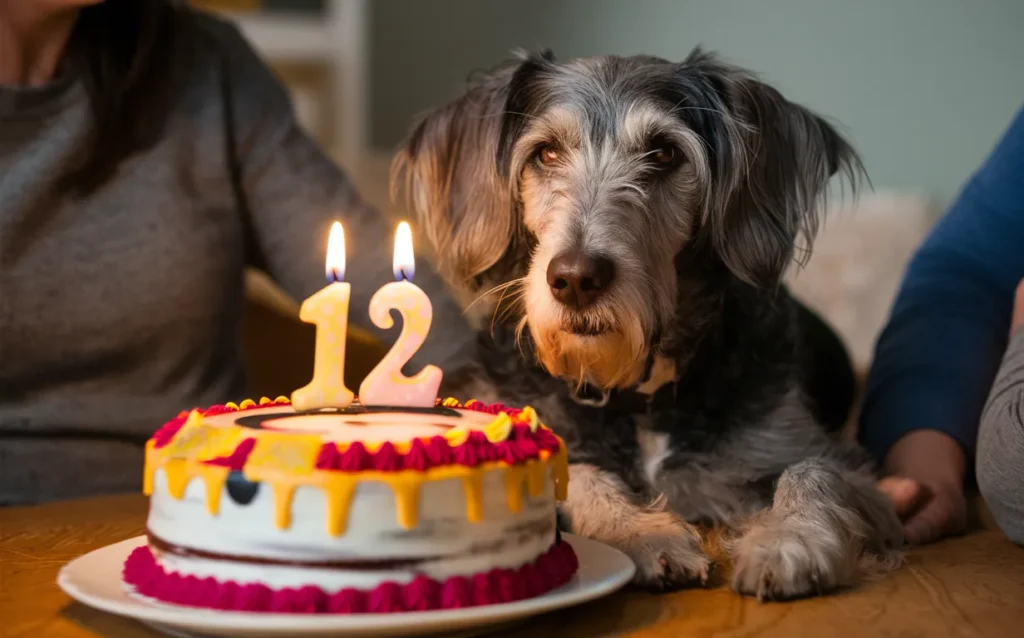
(605, 347)
(611, 359)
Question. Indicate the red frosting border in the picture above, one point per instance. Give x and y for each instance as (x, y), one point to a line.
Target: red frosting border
(521, 445)
(550, 570)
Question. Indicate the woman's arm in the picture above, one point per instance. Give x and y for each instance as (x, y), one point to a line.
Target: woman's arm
(292, 192)
(938, 355)
(1000, 460)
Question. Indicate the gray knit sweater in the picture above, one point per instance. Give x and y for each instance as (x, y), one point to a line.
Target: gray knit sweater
(1000, 457)
(119, 311)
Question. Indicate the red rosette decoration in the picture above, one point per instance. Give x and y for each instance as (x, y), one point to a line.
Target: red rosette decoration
(347, 601)
(417, 458)
(386, 458)
(385, 598)
(422, 594)
(439, 452)
(456, 594)
(355, 458)
(552, 569)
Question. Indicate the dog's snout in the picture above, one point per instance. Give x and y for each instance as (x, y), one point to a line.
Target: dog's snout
(578, 279)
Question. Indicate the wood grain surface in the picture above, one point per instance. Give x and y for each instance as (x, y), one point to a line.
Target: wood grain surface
(968, 586)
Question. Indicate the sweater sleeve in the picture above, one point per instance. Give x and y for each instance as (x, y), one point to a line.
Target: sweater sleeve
(938, 355)
(293, 192)
(1000, 460)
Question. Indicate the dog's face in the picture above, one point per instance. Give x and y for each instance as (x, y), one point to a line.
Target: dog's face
(588, 186)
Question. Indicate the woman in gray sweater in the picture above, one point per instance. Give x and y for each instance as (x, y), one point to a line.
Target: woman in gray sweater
(147, 156)
(1000, 462)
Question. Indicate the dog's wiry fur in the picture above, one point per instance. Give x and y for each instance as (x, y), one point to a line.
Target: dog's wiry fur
(699, 245)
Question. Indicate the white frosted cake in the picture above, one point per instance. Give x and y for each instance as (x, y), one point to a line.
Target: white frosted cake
(258, 507)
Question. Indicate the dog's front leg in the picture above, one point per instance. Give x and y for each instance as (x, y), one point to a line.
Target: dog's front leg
(827, 528)
(667, 550)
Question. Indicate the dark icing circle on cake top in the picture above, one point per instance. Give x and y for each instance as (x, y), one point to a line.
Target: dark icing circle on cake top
(240, 489)
(255, 421)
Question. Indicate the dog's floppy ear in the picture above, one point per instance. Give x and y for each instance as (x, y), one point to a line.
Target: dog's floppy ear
(455, 167)
(772, 164)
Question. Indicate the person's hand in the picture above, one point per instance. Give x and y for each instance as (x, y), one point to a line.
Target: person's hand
(925, 483)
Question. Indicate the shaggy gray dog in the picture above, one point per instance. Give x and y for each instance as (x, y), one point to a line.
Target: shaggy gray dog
(627, 223)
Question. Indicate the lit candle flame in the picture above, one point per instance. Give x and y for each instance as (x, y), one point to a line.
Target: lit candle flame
(404, 263)
(336, 253)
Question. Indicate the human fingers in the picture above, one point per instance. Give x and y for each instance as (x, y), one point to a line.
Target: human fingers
(905, 494)
(942, 514)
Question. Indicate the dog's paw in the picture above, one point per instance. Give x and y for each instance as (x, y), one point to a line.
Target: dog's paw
(670, 558)
(788, 558)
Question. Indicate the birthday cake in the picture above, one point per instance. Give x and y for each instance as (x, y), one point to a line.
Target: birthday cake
(262, 507)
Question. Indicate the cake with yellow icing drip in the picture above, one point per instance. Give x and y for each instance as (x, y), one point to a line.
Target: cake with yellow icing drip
(258, 507)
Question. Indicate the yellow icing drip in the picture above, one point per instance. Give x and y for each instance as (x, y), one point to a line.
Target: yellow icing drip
(286, 461)
(150, 469)
(178, 477)
(339, 489)
(560, 472)
(406, 486)
(515, 478)
(473, 486)
(535, 473)
(214, 477)
(283, 494)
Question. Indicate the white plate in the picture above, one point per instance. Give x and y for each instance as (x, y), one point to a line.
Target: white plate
(95, 579)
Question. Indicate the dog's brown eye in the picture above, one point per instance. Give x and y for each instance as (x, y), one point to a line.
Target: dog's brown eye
(664, 155)
(548, 155)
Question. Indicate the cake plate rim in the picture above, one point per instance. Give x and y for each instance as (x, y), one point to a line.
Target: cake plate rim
(94, 579)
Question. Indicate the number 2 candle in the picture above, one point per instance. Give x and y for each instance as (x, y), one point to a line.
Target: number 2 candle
(328, 309)
(386, 385)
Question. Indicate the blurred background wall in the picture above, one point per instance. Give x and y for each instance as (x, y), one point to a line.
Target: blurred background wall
(923, 87)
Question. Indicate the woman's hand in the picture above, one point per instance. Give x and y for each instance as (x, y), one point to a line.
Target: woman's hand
(926, 473)
(925, 482)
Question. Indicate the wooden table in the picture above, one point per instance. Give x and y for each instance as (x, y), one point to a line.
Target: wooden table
(969, 586)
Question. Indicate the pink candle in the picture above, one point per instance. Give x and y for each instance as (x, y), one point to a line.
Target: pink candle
(386, 385)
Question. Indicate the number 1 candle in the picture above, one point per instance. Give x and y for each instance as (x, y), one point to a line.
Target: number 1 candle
(328, 309)
(386, 385)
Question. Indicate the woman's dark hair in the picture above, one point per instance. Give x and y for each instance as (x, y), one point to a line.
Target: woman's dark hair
(125, 53)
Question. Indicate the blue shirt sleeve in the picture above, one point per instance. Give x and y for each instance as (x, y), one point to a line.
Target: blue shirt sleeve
(936, 358)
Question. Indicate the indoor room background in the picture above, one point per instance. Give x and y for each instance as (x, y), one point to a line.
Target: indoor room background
(923, 88)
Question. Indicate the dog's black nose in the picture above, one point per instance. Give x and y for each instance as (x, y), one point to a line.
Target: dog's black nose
(578, 279)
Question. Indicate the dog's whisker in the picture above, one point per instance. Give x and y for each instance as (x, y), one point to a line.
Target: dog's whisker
(500, 314)
(519, 281)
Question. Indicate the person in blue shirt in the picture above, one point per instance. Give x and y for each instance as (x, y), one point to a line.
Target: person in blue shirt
(945, 394)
